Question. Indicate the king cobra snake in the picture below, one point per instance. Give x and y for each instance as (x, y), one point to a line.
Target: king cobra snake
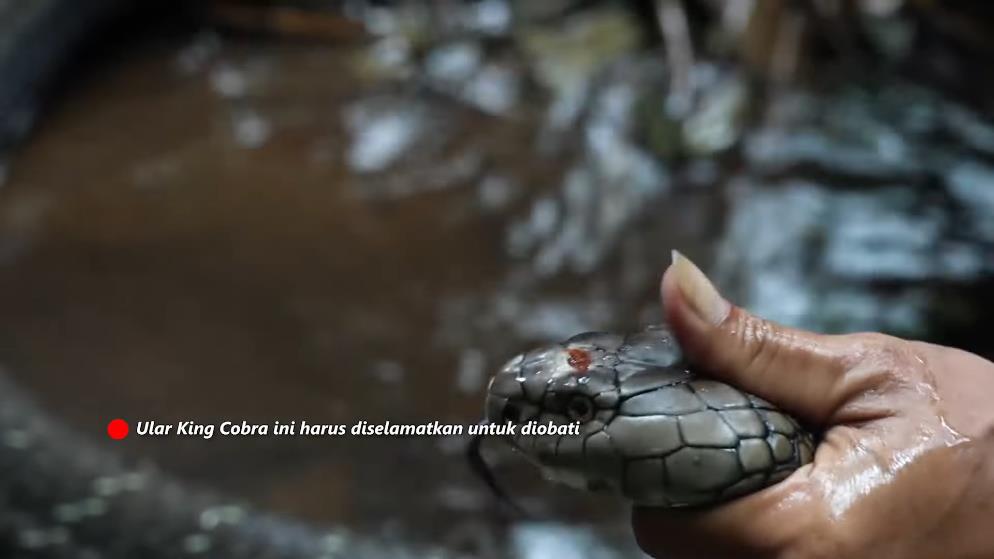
(650, 428)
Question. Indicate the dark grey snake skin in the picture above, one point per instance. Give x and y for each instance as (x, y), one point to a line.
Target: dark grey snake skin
(650, 428)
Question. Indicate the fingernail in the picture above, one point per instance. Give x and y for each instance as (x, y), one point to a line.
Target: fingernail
(698, 290)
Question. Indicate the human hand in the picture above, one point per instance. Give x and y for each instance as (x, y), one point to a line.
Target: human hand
(905, 463)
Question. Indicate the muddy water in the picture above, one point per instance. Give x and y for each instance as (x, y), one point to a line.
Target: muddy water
(155, 267)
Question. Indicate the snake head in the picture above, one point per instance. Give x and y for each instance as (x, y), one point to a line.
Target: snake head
(646, 425)
(578, 381)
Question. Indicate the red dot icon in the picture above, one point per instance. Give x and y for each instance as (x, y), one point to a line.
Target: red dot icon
(117, 429)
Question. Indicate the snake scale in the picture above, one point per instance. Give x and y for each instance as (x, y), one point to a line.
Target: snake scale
(650, 428)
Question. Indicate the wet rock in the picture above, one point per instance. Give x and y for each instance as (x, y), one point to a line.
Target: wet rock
(881, 200)
(383, 129)
(388, 58)
(388, 372)
(539, 540)
(520, 311)
(967, 127)
(197, 55)
(228, 81)
(540, 224)
(715, 123)
(712, 123)
(495, 89)
(843, 135)
(818, 267)
(471, 373)
(419, 177)
(529, 10)
(405, 144)
(880, 8)
(241, 78)
(496, 192)
(460, 69)
(606, 189)
(422, 23)
(411, 21)
(452, 64)
(566, 57)
(892, 36)
(971, 183)
(251, 130)
(882, 233)
(488, 17)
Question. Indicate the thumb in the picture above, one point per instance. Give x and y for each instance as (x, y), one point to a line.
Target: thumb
(800, 371)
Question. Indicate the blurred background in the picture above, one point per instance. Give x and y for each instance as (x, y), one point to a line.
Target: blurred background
(342, 210)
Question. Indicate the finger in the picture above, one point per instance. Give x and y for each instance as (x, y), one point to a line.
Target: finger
(801, 371)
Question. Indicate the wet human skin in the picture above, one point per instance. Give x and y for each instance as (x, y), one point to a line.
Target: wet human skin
(905, 465)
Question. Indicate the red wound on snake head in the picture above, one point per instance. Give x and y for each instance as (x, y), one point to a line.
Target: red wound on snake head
(578, 359)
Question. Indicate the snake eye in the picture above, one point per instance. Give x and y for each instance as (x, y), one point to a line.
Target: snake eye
(580, 408)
